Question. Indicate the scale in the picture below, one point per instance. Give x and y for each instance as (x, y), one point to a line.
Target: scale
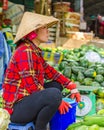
(87, 106)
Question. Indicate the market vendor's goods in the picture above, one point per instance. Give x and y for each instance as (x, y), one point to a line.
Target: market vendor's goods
(90, 72)
(80, 77)
(76, 69)
(72, 15)
(82, 68)
(100, 70)
(61, 6)
(99, 78)
(94, 119)
(94, 122)
(72, 28)
(67, 71)
(73, 21)
(63, 65)
(100, 93)
(100, 112)
(74, 126)
(94, 127)
(99, 104)
(4, 119)
(82, 127)
(102, 84)
(87, 81)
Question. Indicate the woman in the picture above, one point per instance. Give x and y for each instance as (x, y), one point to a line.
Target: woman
(24, 90)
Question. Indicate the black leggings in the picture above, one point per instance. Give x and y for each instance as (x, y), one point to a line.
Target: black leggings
(38, 107)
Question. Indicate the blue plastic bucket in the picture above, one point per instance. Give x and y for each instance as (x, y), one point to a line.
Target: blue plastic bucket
(62, 121)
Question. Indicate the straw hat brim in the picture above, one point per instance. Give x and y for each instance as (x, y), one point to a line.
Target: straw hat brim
(32, 21)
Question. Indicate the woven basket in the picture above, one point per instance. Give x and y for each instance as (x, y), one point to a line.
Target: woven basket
(61, 6)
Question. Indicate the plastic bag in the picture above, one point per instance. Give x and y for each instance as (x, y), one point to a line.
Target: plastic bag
(92, 56)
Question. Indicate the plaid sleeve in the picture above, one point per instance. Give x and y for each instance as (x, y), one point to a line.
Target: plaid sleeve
(52, 74)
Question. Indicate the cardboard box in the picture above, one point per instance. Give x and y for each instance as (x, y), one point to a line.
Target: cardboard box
(74, 43)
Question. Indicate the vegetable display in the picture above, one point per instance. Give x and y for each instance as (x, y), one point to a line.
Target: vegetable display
(93, 122)
(85, 66)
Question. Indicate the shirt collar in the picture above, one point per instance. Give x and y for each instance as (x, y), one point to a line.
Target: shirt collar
(38, 50)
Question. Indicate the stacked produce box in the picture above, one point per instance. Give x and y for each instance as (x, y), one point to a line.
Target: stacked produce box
(72, 22)
(60, 9)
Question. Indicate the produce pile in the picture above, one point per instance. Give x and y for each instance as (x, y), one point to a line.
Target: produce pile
(95, 122)
(79, 65)
(4, 115)
(85, 71)
(84, 65)
(1, 99)
(4, 119)
(89, 122)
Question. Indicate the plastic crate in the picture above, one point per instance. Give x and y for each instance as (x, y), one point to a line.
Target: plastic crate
(54, 57)
(62, 121)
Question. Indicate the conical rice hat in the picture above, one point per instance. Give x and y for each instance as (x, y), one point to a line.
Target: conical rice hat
(32, 21)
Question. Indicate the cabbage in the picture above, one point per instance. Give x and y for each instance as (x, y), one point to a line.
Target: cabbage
(4, 119)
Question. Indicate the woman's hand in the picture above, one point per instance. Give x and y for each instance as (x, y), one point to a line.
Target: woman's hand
(76, 96)
(74, 92)
(64, 107)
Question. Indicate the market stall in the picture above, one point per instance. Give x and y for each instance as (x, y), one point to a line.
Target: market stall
(73, 51)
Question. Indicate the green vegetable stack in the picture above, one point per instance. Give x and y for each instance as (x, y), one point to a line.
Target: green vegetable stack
(95, 122)
(79, 69)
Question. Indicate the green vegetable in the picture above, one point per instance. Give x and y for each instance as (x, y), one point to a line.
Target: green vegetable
(62, 65)
(84, 62)
(72, 57)
(76, 50)
(73, 77)
(96, 119)
(4, 119)
(95, 84)
(67, 72)
(91, 122)
(93, 127)
(80, 77)
(87, 81)
(83, 127)
(100, 93)
(100, 70)
(93, 117)
(102, 84)
(77, 69)
(72, 63)
(99, 78)
(92, 66)
(100, 112)
(74, 125)
(90, 73)
(101, 128)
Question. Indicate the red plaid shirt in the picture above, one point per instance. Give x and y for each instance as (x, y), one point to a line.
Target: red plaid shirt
(26, 73)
